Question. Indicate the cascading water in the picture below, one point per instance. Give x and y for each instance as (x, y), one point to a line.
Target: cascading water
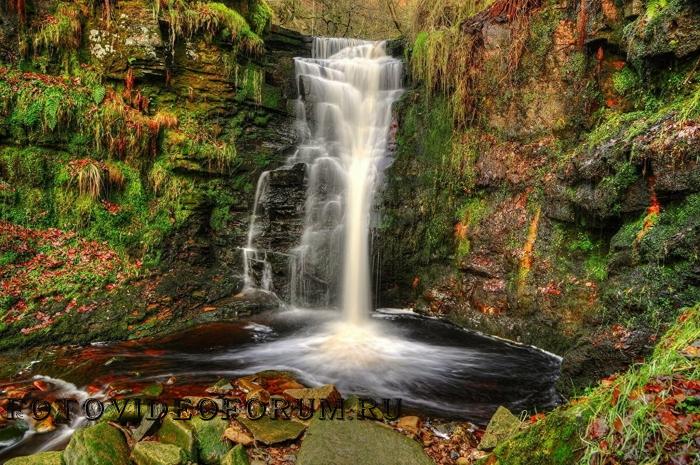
(346, 91)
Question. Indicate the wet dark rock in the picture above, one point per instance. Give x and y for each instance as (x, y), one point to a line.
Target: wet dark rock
(12, 432)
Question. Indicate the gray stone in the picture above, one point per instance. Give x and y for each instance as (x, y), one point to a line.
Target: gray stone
(502, 425)
(269, 431)
(352, 442)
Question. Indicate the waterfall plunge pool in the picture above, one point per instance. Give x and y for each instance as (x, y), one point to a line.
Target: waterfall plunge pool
(434, 367)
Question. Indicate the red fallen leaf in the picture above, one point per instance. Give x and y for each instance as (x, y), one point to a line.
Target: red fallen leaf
(415, 282)
(537, 417)
(92, 389)
(653, 387)
(609, 380)
(618, 425)
(615, 396)
(598, 429)
(41, 385)
(667, 418)
(691, 385)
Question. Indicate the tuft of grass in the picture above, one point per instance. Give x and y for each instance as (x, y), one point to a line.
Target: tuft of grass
(187, 18)
(62, 30)
(634, 417)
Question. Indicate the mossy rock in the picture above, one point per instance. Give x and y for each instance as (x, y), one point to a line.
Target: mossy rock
(351, 442)
(236, 456)
(125, 412)
(101, 444)
(554, 441)
(42, 458)
(502, 425)
(155, 453)
(13, 432)
(269, 431)
(178, 433)
(211, 445)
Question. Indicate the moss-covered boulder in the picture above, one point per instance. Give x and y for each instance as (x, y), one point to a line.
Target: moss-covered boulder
(269, 431)
(502, 425)
(178, 433)
(155, 453)
(12, 432)
(123, 411)
(236, 456)
(351, 442)
(43, 458)
(101, 444)
(211, 445)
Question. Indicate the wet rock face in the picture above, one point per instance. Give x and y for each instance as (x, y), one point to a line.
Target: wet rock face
(673, 29)
(133, 40)
(280, 222)
(569, 205)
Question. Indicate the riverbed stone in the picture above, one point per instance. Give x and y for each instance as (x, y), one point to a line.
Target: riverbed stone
(156, 453)
(236, 456)
(502, 425)
(178, 433)
(351, 442)
(269, 431)
(327, 392)
(129, 411)
(101, 444)
(42, 458)
(12, 432)
(211, 445)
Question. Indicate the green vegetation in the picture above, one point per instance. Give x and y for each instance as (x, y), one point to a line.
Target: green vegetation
(187, 18)
(62, 31)
(644, 414)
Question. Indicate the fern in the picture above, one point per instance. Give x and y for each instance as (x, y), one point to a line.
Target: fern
(52, 105)
(98, 94)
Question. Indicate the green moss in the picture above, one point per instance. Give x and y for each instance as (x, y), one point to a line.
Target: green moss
(626, 81)
(562, 437)
(468, 215)
(187, 18)
(260, 16)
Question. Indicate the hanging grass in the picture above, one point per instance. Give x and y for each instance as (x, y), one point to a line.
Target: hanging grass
(212, 18)
(449, 59)
(62, 30)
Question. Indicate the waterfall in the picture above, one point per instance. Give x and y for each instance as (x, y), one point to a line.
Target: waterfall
(343, 116)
